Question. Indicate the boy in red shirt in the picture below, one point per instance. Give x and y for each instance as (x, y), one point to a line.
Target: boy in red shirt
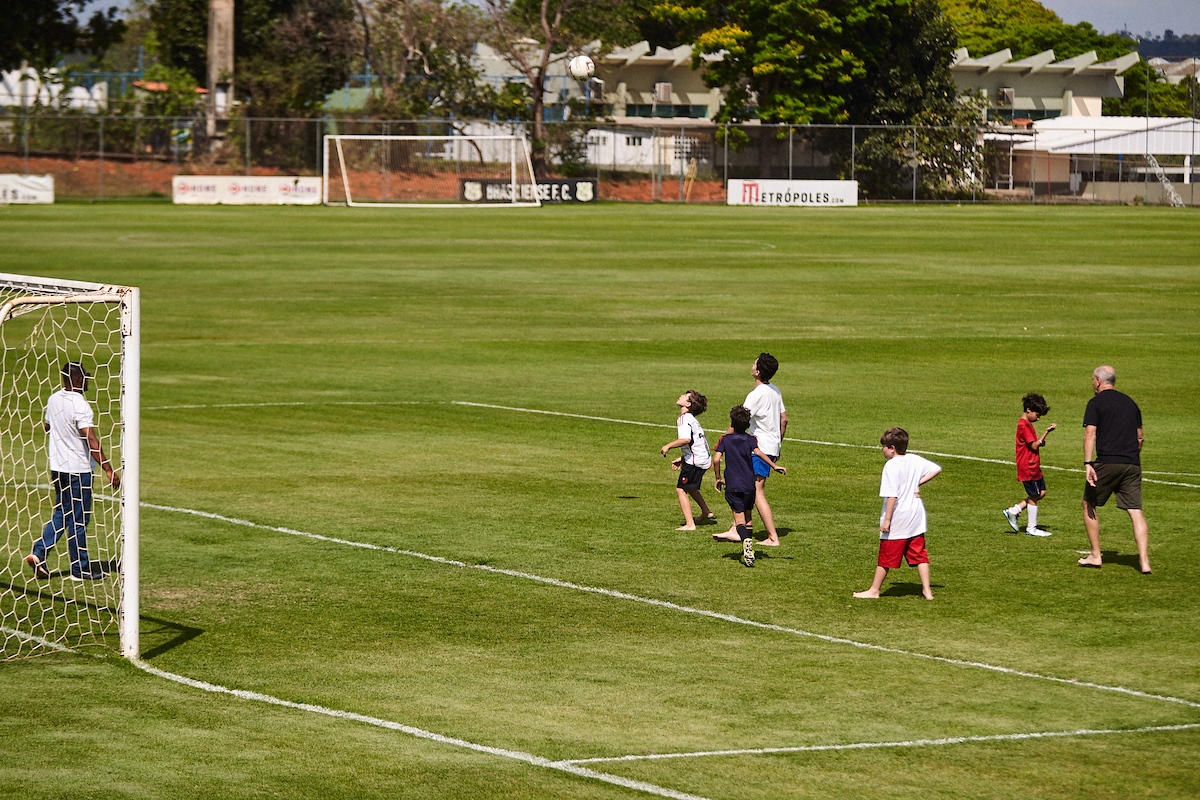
(1029, 464)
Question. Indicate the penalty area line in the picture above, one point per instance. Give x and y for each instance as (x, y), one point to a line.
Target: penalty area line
(650, 601)
(950, 740)
(420, 733)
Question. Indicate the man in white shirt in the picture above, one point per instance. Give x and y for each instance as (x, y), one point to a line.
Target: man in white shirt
(902, 523)
(73, 445)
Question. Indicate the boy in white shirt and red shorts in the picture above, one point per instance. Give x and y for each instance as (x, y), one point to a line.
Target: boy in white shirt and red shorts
(902, 523)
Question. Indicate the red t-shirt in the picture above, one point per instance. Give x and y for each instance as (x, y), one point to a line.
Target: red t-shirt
(1029, 461)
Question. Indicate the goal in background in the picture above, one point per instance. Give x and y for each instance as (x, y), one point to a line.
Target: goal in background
(45, 323)
(419, 171)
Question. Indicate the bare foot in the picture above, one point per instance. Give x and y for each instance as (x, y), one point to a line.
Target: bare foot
(1090, 562)
(867, 595)
(927, 595)
(769, 542)
(727, 536)
(686, 528)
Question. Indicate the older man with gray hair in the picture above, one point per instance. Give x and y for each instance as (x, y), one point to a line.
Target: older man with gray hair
(1112, 446)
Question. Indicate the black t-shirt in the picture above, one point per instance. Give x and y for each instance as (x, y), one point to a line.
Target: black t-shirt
(1117, 419)
(739, 468)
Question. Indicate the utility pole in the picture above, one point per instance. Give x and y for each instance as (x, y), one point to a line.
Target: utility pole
(220, 64)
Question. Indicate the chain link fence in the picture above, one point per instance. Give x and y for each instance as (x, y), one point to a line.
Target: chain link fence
(104, 157)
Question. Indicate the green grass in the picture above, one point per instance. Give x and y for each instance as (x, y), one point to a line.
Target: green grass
(937, 319)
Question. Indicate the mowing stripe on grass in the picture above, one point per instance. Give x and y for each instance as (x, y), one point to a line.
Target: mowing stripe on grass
(516, 755)
(818, 748)
(641, 424)
(806, 441)
(673, 606)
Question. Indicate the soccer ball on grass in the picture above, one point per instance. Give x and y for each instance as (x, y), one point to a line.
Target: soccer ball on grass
(581, 68)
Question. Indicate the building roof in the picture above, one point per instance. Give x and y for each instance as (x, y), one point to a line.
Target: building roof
(1111, 136)
(1176, 71)
(1044, 62)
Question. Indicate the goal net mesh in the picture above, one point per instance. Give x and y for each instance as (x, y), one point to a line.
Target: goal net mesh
(43, 330)
(428, 170)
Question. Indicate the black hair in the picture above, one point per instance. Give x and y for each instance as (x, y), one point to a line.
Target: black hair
(897, 438)
(1035, 402)
(73, 374)
(739, 418)
(697, 403)
(767, 365)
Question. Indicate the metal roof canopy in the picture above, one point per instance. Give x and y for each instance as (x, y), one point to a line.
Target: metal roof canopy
(1175, 136)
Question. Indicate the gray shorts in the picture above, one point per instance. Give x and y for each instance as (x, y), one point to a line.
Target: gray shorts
(1123, 480)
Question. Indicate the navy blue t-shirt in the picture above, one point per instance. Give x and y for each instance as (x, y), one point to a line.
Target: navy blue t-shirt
(737, 449)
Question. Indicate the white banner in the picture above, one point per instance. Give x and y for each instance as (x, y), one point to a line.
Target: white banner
(26, 188)
(246, 190)
(791, 193)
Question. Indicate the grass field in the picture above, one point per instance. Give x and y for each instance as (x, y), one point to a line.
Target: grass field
(373, 377)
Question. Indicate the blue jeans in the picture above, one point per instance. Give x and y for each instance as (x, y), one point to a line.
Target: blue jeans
(72, 508)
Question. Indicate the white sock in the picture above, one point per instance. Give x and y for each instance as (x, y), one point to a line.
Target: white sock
(1032, 516)
(1014, 510)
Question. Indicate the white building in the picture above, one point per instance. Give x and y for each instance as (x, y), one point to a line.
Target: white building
(24, 88)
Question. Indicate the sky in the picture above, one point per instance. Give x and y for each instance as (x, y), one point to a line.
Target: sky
(1138, 16)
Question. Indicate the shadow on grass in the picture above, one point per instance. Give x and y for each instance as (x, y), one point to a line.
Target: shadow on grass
(899, 589)
(1124, 559)
(174, 633)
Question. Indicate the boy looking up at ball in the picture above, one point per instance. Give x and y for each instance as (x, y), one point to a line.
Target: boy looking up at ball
(740, 450)
(1029, 464)
(695, 459)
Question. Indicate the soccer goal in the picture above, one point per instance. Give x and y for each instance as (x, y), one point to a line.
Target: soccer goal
(422, 171)
(82, 590)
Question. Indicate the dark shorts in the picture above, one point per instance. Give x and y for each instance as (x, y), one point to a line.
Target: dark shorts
(761, 468)
(891, 551)
(1123, 480)
(740, 501)
(1034, 488)
(690, 476)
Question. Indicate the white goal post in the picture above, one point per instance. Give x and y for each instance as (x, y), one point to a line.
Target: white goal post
(68, 577)
(428, 171)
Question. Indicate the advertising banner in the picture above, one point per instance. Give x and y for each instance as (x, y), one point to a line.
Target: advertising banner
(26, 188)
(549, 190)
(246, 190)
(791, 193)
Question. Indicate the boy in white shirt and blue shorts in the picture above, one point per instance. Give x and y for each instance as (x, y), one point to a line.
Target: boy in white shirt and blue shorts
(902, 523)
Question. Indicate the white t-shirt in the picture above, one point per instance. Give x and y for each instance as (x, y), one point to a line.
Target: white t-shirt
(697, 452)
(901, 477)
(765, 403)
(67, 413)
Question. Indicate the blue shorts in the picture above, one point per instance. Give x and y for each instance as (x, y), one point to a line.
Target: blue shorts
(761, 468)
(1034, 488)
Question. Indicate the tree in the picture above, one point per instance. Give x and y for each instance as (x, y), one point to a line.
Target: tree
(421, 51)
(533, 34)
(41, 32)
(1165, 99)
(1027, 28)
(307, 55)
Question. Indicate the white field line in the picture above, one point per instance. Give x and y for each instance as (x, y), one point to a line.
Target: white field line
(29, 637)
(810, 441)
(676, 607)
(515, 755)
(635, 422)
(819, 748)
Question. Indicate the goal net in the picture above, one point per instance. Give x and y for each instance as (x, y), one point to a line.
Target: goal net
(69, 566)
(419, 171)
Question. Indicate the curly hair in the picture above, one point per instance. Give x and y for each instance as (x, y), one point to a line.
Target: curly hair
(697, 403)
(739, 419)
(1035, 402)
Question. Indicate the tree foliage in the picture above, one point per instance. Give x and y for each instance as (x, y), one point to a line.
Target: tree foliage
(815, 61)
(1164, 99)
(41, 32)
(1027, 28)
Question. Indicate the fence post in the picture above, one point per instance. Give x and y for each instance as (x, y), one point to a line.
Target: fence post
(725, 165)
(914, 163)
(247, 144)
(853, 144)
(791, 131)
(678, 151)
(101, 158)
(1033, 171)
(25, 136)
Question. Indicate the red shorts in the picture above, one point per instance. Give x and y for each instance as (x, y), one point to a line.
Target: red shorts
(890, 551)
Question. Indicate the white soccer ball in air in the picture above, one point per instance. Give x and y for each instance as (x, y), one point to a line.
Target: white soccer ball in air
(582, 68)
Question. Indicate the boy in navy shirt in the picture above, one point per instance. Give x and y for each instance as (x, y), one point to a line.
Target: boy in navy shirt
(739, 449)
